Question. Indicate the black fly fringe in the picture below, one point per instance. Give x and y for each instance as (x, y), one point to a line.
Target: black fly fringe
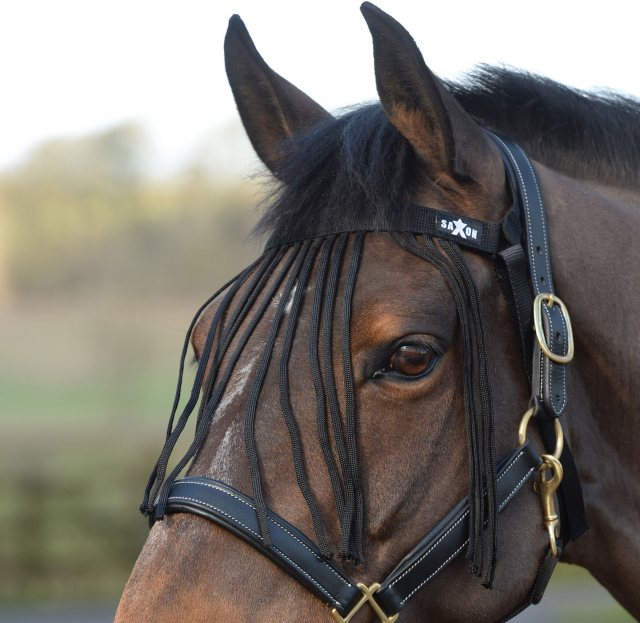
(283, 272)
(157, 474)
(488, 538)
(478, 405)
(160, 487)
(285, 401)
(299, 252)
(262, 275)
(205, 416)
(203, 425)
(316, 376)
(286, 272)
(354, 509)
(328, 372)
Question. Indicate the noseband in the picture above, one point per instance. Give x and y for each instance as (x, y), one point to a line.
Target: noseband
(519, 247)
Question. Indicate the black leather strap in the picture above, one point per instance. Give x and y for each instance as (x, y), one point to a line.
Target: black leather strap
(450, 536)
(300, 558)
(292, 550)
(549, 378)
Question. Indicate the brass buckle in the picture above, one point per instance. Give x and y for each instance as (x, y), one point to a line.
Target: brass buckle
(367, 597)
(551, 300)
(546, 488)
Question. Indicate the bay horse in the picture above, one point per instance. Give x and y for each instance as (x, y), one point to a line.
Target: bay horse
(364, 376)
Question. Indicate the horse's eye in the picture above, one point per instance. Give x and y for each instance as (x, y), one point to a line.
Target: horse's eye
(412, 360)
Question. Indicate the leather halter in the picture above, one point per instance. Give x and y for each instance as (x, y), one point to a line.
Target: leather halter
(519, 246)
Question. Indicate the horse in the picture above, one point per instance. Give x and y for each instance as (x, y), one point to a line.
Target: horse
(360, 379)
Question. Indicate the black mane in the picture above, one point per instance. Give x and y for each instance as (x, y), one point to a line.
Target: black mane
(360, 163)
(586, 135)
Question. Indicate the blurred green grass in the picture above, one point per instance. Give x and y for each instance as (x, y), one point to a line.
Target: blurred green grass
(76, 449)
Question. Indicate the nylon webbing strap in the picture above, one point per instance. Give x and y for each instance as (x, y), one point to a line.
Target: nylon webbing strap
(519, 295)
(296, 554)
(478, 235)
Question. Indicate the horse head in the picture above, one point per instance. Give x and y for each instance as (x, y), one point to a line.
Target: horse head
(360, 378)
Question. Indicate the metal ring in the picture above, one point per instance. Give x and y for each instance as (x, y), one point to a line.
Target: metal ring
(524, 422)
(522, 432)
(551, 300)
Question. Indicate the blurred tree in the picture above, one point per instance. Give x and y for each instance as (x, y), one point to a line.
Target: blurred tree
(81, 213)
(67, 197)
(6, 288)
(106, 265)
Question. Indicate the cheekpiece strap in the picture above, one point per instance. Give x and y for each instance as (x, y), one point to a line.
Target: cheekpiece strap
(553, 345)
(296, 554)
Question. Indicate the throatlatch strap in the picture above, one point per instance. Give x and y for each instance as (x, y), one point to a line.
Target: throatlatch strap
(296, 554)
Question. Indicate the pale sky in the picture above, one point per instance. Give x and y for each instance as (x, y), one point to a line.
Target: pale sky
(68, 67)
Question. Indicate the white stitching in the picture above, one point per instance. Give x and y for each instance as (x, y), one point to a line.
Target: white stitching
(541, 376)
(564, 368)
(516, 488)
(550, 363)
(550, 287)
(273, 521)
(324, 590)
(446, 562)
(232, 518)
(533, 264)
(504, 473)
(543, 219)
(417, 562)
(527, 212)
(215, 508)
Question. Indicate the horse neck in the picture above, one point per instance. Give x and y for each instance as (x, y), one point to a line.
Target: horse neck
(596, 262)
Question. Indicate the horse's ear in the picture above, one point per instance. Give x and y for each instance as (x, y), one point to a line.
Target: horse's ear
(271, 108)
(418, 104)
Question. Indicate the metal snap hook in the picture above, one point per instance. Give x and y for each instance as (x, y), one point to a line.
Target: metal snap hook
(546, 488)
